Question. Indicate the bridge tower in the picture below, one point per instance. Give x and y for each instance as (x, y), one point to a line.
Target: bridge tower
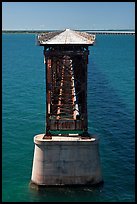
(66, 154)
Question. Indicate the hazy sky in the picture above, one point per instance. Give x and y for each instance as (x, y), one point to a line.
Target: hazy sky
(73, 15)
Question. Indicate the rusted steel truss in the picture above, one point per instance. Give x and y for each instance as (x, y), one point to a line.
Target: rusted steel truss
(66, 87)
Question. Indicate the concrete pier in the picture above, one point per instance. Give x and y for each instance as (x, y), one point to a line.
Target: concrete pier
(64, 160)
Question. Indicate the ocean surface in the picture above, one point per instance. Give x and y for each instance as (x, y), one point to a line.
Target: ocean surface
(111, 116)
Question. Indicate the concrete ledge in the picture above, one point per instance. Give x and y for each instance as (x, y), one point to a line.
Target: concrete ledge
(38, 139)
(37, 187)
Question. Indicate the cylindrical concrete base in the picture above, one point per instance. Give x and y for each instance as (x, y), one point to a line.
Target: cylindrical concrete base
(66, 161)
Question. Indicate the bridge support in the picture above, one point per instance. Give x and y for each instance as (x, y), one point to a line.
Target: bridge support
(66, 161)
(66, 154)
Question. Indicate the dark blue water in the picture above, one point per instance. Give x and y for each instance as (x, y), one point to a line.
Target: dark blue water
(111, 115)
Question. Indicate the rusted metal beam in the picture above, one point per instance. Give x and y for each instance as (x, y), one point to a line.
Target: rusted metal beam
(66, 77)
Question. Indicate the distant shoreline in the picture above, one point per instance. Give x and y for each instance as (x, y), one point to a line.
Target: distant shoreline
(91, 31)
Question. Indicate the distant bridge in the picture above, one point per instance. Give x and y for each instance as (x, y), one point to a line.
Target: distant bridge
(113, 32)
(107, 32)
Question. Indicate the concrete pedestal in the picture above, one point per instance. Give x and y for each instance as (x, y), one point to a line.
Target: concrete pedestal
(66, 161)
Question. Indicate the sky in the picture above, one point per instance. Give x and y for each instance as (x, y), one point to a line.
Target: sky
(72, 15)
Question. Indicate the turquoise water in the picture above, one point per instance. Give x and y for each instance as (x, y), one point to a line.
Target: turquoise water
(111, 115)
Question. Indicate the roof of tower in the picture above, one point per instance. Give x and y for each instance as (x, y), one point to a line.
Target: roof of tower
(66, 37)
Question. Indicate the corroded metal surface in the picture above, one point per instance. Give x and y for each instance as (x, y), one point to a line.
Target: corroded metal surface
(66, 87)
(66, 58)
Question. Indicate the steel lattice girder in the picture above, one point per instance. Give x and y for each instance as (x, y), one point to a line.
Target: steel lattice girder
(66, 73)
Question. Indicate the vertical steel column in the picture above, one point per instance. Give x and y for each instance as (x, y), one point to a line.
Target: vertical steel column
(80, 62)
(48, 62)
(85, 113)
